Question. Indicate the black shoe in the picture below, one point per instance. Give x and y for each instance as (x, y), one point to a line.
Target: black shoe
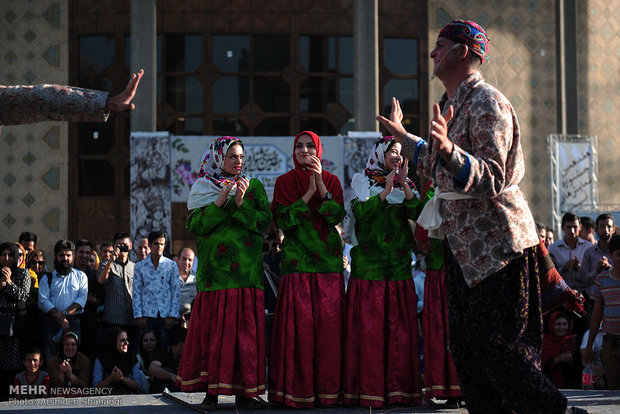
(209, 403)
(577, 410)
(250, 403)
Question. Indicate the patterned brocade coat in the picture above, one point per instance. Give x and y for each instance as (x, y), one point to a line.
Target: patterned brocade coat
(494, 227)
(26, 104)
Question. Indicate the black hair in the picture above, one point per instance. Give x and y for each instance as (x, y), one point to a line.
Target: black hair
(83, 242)
(120, 235)
(12, 247)
(178, 335)
(614, 243)
(154, 235)
(569, 217)
(105, 244)
(28, 236)
(604, 216)
(63, 245)
(33, 350)
(587, 223)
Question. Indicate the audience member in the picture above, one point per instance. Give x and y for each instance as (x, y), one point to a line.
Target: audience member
(142, 249)
(14, 288)
(567, 253)
(559, 359)
(588, 228)
(596, 258)
(542, 231)
(88, 320)
(165, 364)
(550, 238)
(117, 367)
(29, 240)
(105, 253)
(69, 369)
(62, 297)
(148, 349)
(605, 292)
(32, 377)
(156, 291)
(116, 276)
(188, 284)
(35, 263)
(94, 261)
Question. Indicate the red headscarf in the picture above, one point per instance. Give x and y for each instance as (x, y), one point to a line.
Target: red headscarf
(554, 346)
(291, 186)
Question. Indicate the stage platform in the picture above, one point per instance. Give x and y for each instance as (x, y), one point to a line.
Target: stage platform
(596, 402)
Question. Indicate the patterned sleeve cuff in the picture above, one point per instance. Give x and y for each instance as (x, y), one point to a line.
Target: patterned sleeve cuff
(459, 165)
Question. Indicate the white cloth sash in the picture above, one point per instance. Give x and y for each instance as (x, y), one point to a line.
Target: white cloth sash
(430, 217)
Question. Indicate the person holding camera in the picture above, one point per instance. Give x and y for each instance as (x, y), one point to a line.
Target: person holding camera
(116, 276)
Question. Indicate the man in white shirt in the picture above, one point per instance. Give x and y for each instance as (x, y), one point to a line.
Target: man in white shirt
(567, 253)
(62, 297)
(187, 277)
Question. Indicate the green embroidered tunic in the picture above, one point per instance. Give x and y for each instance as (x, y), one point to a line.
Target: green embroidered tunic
(304, 251)
(384, 238)
(230, 245)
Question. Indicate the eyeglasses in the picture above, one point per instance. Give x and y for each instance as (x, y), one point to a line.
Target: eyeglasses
(124, 340)
(38, 262)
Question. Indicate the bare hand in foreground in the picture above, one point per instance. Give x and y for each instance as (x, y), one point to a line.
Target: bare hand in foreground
(122, 101)
(439, 132)
(394, 125)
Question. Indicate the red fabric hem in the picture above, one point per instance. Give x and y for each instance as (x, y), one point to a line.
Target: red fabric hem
(224, 351)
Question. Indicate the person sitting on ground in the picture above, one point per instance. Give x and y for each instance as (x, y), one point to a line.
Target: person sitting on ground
(148, 349)
(558, 357)
(117, 367)
(69, 369)
(32, 375)
(165, 365)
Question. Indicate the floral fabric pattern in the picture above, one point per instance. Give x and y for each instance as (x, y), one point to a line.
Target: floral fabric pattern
(229, 241)
(156, 290)
(304, 251)
(37, 103)
(384, 239)
(485, 232)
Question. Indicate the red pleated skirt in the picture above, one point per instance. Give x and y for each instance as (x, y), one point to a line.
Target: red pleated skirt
(440, 378)
(224, 351)
(306, 342)
(381, 358)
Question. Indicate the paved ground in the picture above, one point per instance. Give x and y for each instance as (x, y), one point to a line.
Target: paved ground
(596, 402)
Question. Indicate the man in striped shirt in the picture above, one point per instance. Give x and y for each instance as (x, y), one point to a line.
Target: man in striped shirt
(116, 276)
(606, 295)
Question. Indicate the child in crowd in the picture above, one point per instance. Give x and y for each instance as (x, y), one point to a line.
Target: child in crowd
(37, 380)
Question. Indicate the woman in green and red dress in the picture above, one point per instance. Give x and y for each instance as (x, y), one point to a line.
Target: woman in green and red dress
(381, 359)
(306, 342)
(225, 347)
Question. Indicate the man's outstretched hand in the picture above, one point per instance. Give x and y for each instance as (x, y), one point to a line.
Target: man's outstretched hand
(122, 101)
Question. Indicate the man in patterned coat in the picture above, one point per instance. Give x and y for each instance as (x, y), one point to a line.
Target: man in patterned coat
(475, 158)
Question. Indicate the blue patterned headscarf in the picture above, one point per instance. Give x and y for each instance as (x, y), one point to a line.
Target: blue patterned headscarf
(469, 33)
